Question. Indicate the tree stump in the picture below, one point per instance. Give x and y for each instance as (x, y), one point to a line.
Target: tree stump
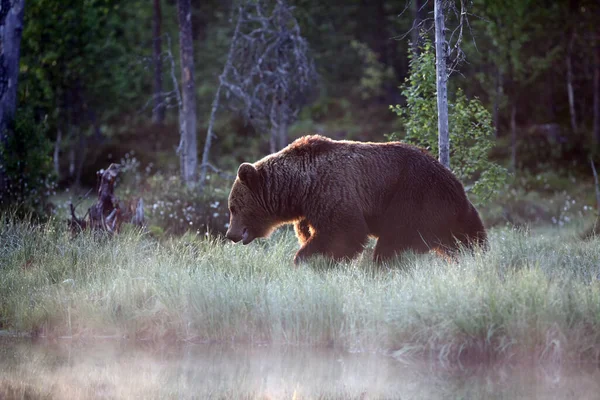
(108, 213)
(105, 214)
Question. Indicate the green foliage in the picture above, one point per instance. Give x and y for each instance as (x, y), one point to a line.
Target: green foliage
(375, 73)
(27, 167)
(79, 56)
(471, 134)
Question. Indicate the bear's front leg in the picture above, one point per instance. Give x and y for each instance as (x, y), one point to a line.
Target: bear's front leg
(336, 245)
(302, 229)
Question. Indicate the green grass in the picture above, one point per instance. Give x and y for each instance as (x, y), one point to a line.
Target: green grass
(535, 295)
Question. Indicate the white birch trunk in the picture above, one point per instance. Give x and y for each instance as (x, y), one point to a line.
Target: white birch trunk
(441, 81)
(187, 116)
(282, 134)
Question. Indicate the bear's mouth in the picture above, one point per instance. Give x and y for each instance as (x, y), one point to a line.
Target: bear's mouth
(246, 236)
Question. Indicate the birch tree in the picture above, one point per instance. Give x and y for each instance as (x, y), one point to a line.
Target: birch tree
(472, 132)
(188, 154)
(441, 84)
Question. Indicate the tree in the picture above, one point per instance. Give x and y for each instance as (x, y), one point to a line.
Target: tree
(416, 26)
(525, 45)
(470, 123)
(441, 84)
(269, 74)
(188, 152)
(158, 112)
(215, 104)
(80, 73)
(11, 28)
(596, 89)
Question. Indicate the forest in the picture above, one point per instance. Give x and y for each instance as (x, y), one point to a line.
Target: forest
(101, 83)
(131, 118)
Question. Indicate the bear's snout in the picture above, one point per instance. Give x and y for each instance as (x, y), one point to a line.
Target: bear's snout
(233, 236)
(236, 237)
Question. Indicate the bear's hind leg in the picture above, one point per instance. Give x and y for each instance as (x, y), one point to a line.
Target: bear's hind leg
(387, 248)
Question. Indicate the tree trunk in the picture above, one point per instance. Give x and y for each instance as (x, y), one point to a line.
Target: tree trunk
(282, 134)
(274, 120)
(158, 112)
(513, 137)
(497, 97)
(56, 155)
(11, 28)
(187, 114)
(273, 139)
(596, 129)
(81, 150)
(71, 144)
(416, 15)
(570, 90)
(282, 126)
(441, 81)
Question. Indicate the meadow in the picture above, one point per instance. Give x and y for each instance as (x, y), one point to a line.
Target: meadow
(534, 296)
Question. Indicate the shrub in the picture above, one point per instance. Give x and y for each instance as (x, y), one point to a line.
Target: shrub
(27, 167)
(471, 133)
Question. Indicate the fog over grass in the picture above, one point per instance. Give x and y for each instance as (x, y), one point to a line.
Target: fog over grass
(66, 369)
(535, 295)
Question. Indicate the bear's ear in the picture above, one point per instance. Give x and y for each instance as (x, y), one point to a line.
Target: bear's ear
(248, 175)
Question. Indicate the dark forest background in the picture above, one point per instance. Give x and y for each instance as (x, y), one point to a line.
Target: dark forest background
(96, 86)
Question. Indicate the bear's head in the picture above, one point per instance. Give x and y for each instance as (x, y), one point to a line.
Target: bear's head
(248, 217)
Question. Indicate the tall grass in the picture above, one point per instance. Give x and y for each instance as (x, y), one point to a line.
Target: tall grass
(534, 294)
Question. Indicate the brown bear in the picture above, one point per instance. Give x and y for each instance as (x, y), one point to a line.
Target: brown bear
(338, 193)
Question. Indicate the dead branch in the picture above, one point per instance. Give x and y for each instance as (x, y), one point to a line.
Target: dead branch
(215, 105)
(76, 224)
(219, 172)
(268, 67)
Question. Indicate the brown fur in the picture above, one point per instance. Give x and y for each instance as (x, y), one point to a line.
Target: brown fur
(337, 193)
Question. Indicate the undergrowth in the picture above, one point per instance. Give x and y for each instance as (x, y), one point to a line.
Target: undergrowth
(534, 294)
